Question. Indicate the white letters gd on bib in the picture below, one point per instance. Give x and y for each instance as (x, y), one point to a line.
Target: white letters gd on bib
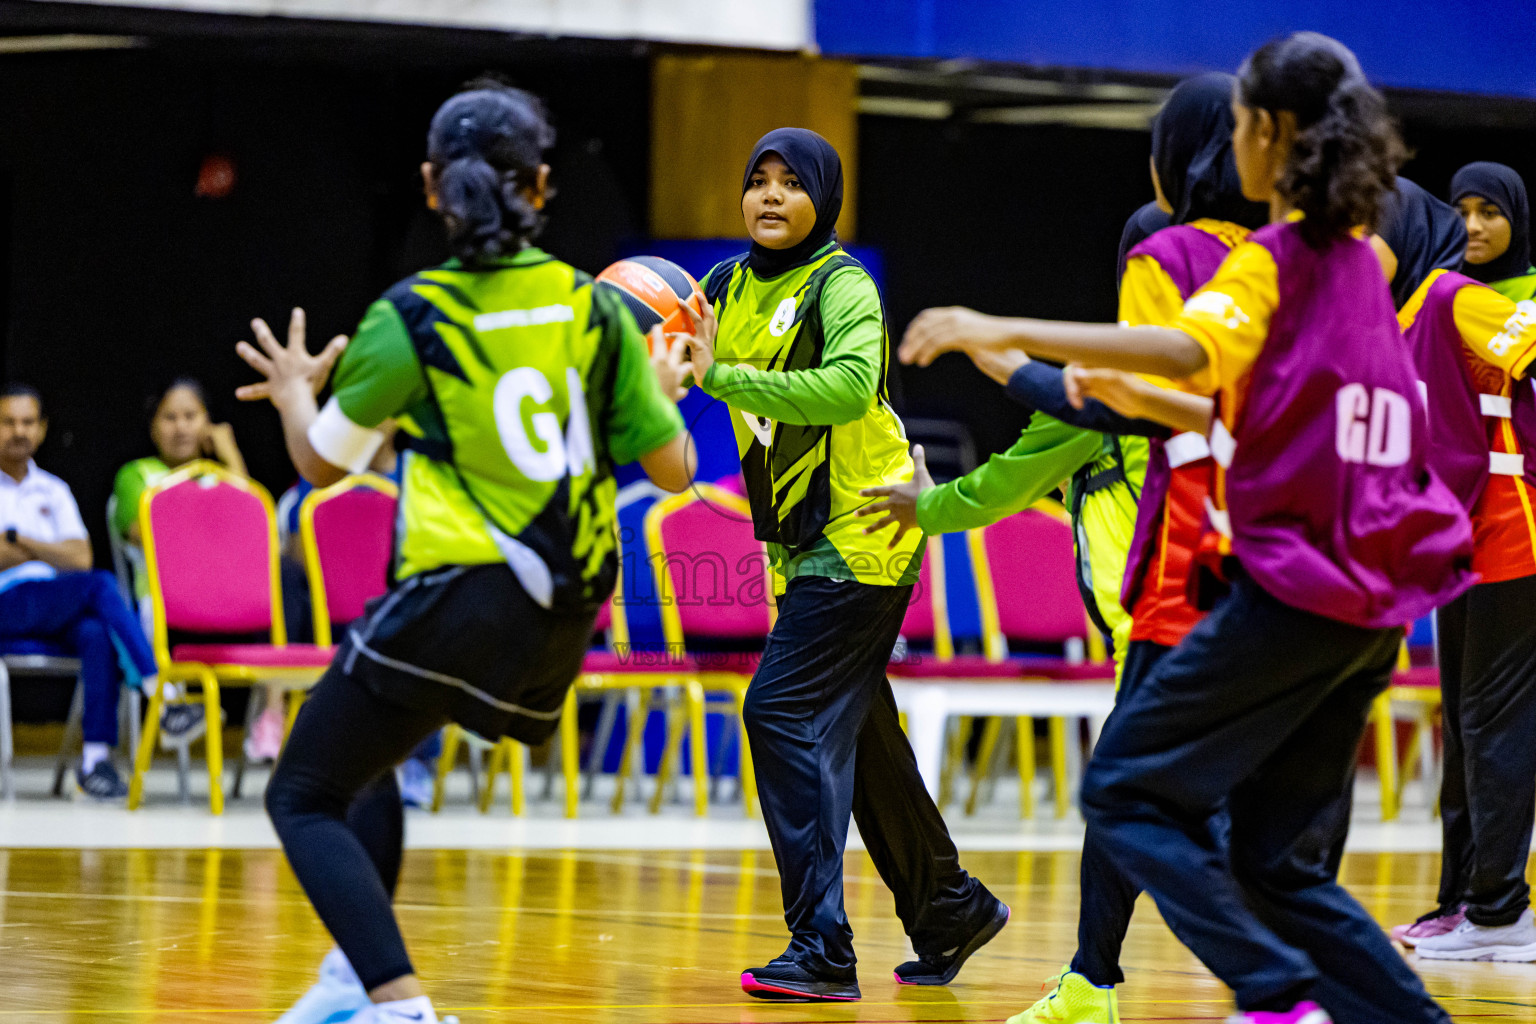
(1373, 427)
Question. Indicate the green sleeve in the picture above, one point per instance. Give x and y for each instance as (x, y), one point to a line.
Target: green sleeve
(379, 375)
(842, 388)
(128, 488)
(642, 417)
(1046, 453)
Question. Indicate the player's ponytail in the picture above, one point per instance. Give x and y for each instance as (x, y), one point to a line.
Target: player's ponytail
(1347, 149)
(486, 146)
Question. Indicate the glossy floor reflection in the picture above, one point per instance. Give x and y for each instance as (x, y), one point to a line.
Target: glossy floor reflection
(225, 936)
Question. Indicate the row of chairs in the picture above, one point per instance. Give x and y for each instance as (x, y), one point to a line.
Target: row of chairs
(212, 558)
(714, 595)
(1022, 582)
(211, 551)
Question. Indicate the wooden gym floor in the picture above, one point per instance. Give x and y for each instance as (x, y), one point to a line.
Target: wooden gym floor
(225, 937)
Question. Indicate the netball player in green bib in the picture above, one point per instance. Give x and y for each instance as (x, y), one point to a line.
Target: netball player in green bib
(517, 387)
(793, 340)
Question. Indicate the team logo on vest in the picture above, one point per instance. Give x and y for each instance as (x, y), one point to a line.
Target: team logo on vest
(783, 318)
(1217, 306)
(761, 426)
(1374, 427)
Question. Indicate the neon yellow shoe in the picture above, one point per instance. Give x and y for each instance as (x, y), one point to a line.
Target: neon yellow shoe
(1073, 1000)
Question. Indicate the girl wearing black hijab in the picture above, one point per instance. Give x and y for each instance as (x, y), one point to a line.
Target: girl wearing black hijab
(1474, 348)
(794, 341)
(1493, 203)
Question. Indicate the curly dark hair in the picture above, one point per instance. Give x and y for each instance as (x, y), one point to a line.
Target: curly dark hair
(486, 145)
(1347, 148)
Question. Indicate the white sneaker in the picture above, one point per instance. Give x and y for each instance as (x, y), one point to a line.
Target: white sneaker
(338, 995)
(1514, 943)
(401, 1011)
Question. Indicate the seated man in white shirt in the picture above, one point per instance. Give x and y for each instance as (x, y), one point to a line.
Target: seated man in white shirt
(48, 591)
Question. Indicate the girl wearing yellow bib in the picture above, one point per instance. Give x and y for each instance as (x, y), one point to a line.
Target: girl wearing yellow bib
(794, 341)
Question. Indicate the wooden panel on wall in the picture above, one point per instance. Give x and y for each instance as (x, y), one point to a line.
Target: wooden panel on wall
(706, 112)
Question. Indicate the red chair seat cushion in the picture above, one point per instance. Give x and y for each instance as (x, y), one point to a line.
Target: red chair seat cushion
(1422, 676)
(255, 655)
(978, 667)
(653, 662)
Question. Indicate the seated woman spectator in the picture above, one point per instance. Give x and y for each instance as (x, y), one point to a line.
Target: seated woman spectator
(182, 431)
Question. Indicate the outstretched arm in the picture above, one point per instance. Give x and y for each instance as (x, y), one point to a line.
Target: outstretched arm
(1044, 388)
(841, 389)
(1044, 457)
(1136, 401)
(1157, 350)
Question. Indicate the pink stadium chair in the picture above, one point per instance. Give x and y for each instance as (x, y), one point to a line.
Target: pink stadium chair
(713, 581)
(1414, 697)
(348, 532)
(1026, 585)
(1026, 589)
(645, 675)
(927, 618)
(210, 544)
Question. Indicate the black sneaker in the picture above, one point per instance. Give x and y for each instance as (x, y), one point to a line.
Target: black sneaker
(787, 982)
(182, 725)
(941, 968)
(103, 782)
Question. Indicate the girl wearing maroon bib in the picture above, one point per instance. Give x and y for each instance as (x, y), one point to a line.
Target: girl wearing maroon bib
(1196, 180)
(1331, 532)
(1474, 347)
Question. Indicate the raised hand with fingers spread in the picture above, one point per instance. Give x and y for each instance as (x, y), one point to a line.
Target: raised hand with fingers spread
(287, 367)
(294, 378)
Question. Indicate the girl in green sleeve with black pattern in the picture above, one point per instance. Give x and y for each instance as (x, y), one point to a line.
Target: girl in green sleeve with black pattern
(794, 341)
(517, 386)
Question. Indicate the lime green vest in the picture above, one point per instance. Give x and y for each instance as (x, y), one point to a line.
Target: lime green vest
(1103, 496)
(1517, 289)
(520, 366)
(803, 480)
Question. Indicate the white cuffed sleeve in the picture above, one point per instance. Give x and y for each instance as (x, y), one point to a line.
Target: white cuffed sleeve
(341, 442)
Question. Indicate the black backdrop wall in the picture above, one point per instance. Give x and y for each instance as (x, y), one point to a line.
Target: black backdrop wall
(119, 278)
(1026, 221)
(1009, 220)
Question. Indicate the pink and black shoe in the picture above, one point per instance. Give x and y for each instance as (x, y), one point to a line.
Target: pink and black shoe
(1301, 1013)
(787, 982)
(1436, 922)
(941, 968)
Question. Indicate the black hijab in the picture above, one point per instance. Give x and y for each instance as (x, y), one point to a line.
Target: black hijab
(1192, 151)
(820, 170)
(1144, 223)
(1502, 187)
(1423, 233)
